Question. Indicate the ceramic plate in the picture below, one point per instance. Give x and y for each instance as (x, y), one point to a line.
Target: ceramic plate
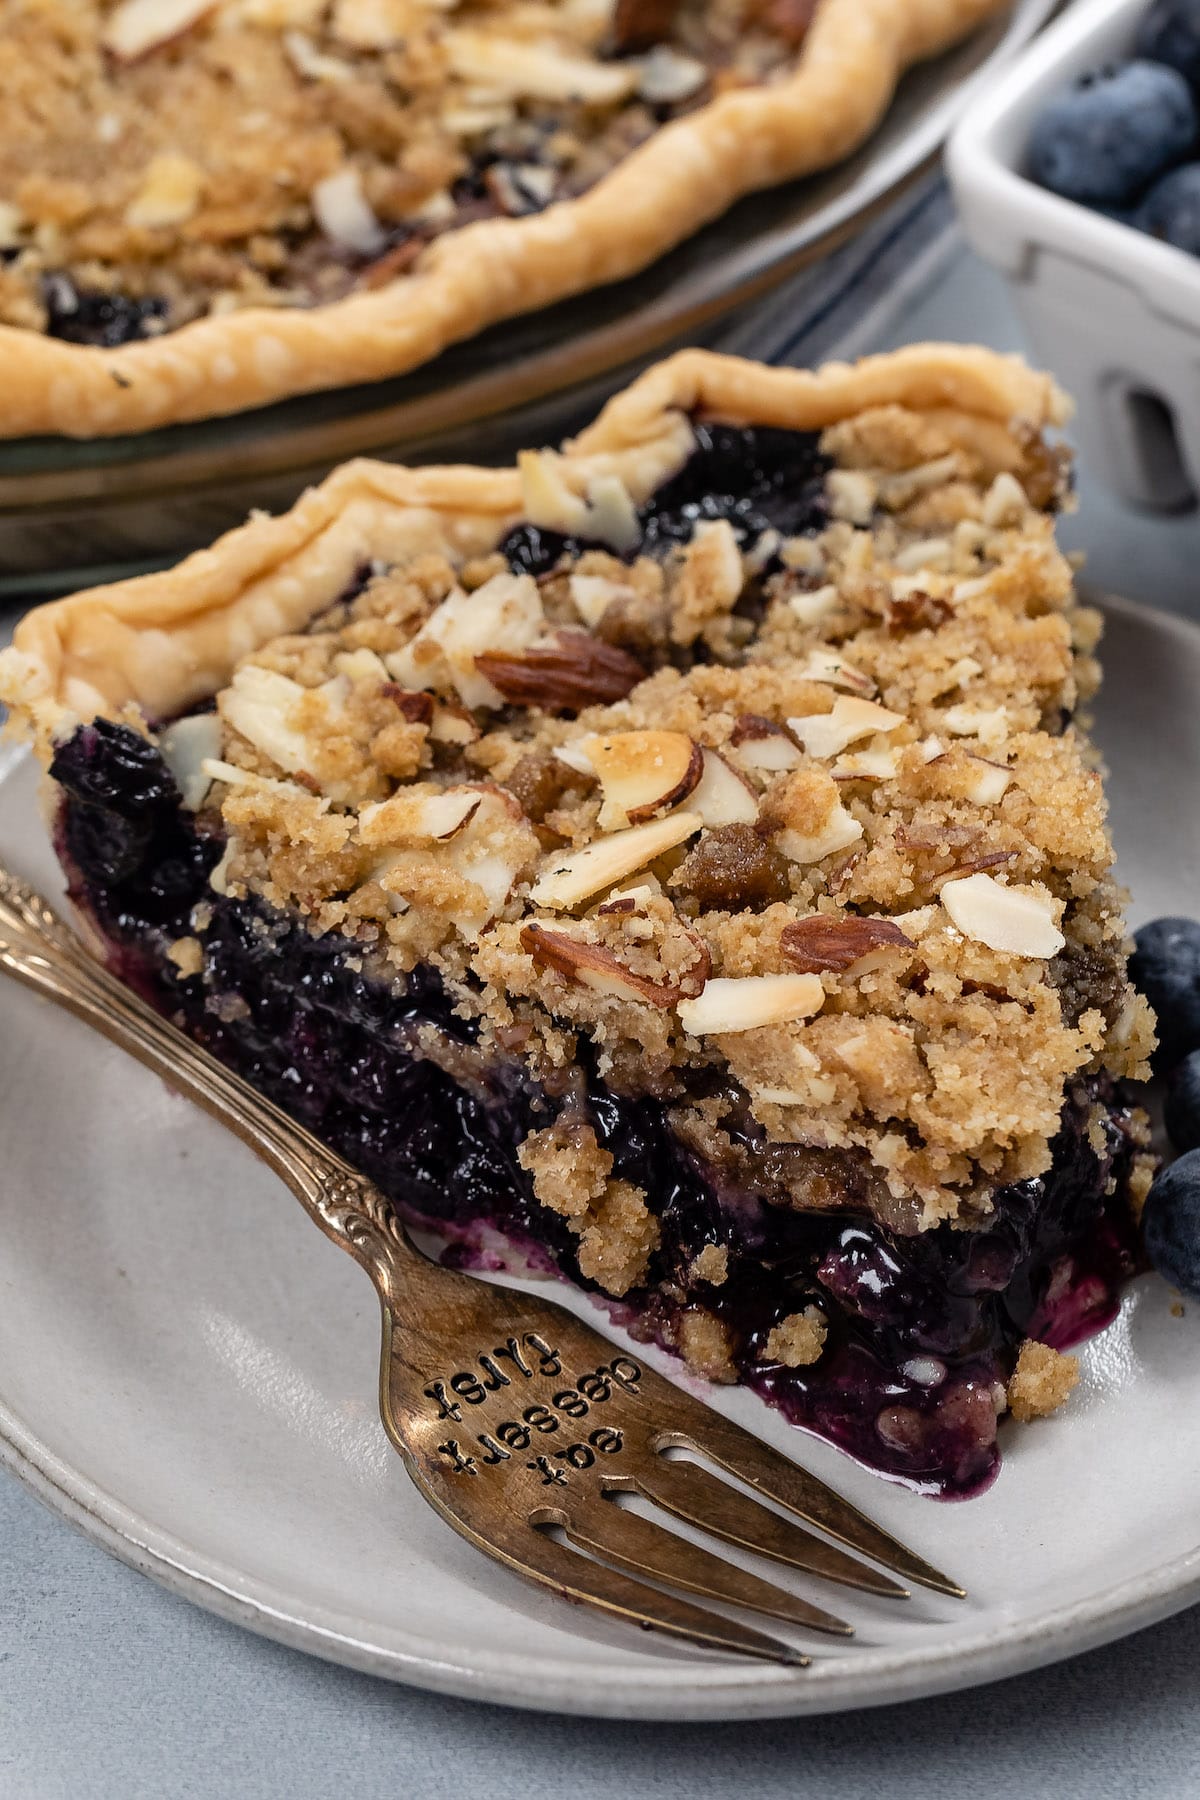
(187, 1373)
(527, 381)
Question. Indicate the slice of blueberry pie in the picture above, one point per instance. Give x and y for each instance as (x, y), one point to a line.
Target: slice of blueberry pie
(677, 859)
(206, 205)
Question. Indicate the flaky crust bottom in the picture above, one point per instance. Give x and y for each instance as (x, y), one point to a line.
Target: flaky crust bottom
(162, 642)
(686, 175)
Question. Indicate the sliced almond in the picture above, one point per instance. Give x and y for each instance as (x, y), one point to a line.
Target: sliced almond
(343, 212)
(840, 830)
(136, 27)
(1005, 502)
(528, 69)
(668, 76)
(259, 704)
(722, 797)
(828, 734)
(570, 879)
(415, 816)
(852, 495)
(987, 782)
(594, 966)
(504, 615)
(828, 942)
(592, 595)
(743, 1003)
(612, 517)
(867, 765)
(931, 748)
(810, 608)
(643, 773)
(452, 724)
(1004, 918)
(827, 666)
(576, 757)
(761, 744)
(988, 724)
(186, 746)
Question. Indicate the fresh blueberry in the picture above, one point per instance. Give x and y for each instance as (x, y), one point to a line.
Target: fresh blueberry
(1166, 968)
(1171, 1224)
(1171, 210)
(1170, 33)
(1106, 138)
(1183, 1104)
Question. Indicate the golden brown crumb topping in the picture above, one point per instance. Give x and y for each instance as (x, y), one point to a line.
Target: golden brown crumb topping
(209, 154)
(826, 869)
(1041, 1382)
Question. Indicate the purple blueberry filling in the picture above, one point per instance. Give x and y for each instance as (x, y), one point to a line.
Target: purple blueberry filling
(88, 316)
(921, 1327)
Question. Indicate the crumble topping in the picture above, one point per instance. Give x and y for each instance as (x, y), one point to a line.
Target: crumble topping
(705, 1344)
(798, 1340)
(1041, 1382)
(798, 835)
(572, 1175)
(167, 158)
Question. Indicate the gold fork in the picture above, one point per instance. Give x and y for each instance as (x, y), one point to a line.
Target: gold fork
(521, 1425)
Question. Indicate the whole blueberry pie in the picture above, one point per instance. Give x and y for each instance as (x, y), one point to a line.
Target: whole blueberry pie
(206, 205)
(677, 862)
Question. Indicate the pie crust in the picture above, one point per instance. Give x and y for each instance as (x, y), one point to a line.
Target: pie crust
(686, 174)
(162, 642)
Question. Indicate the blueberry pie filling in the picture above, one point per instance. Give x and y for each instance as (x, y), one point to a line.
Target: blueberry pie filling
(708, 899)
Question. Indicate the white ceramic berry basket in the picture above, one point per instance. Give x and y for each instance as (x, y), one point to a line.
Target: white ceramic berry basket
(1114, 313)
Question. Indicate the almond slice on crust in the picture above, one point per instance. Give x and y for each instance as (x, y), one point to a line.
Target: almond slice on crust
(570, 879)
(504, 615)
(593, 966)
(987, 782)
(642, 773)
(1008, 919)
(828, 734)
(137, 27)
(762, 744)
(827, 666)
(419, 817)
(867, 765)
(722, 796)
(743, 1003)
(824, 942)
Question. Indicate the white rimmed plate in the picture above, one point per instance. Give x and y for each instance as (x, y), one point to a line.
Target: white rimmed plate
(187, 1373)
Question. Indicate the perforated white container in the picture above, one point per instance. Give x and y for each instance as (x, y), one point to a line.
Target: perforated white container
(1114, 314)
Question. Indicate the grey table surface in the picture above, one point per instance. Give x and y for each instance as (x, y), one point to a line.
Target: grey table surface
(111, 1689)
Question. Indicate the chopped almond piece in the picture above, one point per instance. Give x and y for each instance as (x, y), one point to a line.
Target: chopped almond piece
(137, 27)
(761, 744)
(1003, 918)
(828, 734)
(722, 797)
(743, 1003)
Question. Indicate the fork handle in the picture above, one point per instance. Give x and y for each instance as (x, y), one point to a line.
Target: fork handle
(41, 951)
